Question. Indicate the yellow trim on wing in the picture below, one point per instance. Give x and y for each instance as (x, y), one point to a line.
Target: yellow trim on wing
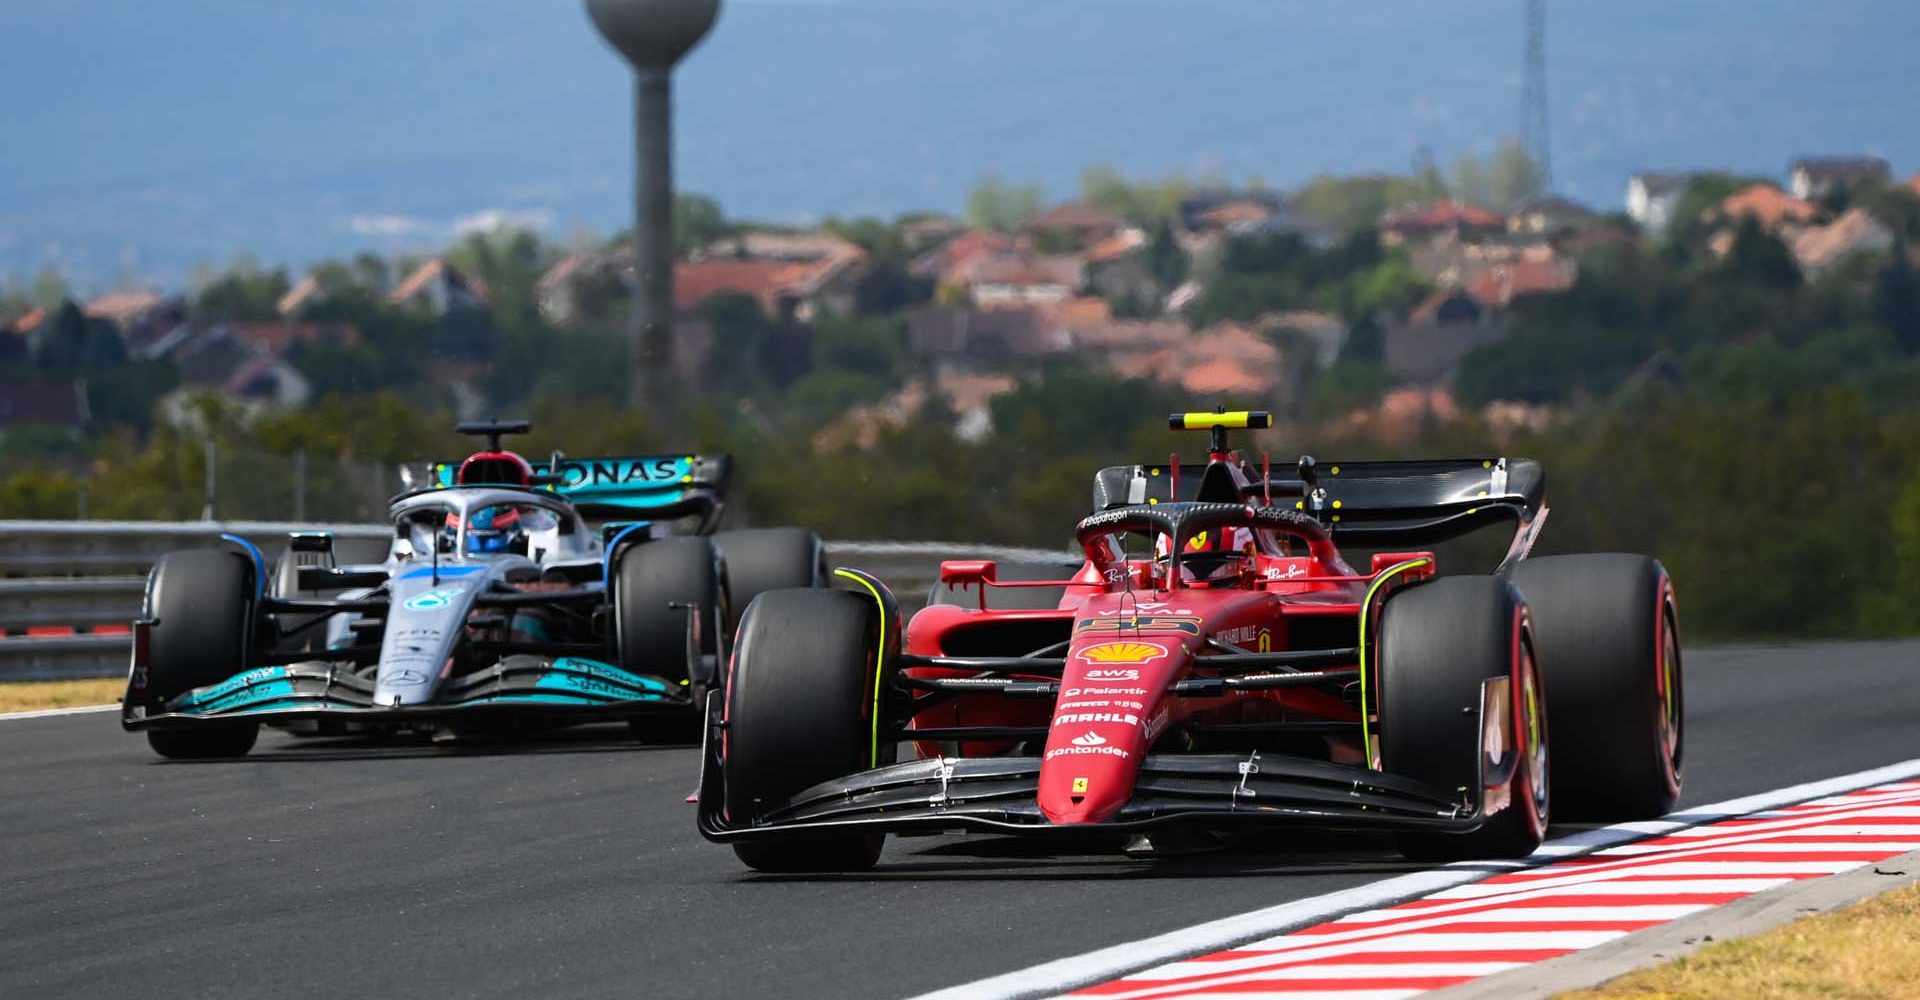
(879, 660)
(1366, 604)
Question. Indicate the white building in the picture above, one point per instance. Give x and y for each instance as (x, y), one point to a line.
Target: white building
(1653, 198)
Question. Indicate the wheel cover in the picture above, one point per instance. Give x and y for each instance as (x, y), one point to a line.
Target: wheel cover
(1671, 720)
(1533, 726)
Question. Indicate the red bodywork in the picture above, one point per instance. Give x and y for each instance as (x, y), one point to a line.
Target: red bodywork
(1130, 640)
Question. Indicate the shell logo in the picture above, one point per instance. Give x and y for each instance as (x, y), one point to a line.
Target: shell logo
(1123, 652)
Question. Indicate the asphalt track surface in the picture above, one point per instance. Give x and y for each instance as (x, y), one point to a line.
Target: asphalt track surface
(570, 867)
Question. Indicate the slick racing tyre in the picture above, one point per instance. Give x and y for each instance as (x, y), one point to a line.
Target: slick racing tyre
(763, 559)
(797, 715)
(1012, 598)
(202, 604)
(655, 585)
(1609, 643)
(1439, 642)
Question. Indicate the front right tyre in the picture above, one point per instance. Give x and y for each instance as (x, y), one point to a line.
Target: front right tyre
(799, 710)
(1440, 643)
(201, 603)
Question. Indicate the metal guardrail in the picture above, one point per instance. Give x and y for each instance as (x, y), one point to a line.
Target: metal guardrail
(77, 548)
(44, 581)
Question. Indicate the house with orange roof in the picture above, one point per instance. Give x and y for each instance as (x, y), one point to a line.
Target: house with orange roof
(304, 292)
(1029, 280)
(1206, 217)
(1499, 285)
(124, 309)
(1821, 249)
(1073, 226)
(1415, 225)
(785, 289)
(1765, 204)
(952, 264)
(441, 288)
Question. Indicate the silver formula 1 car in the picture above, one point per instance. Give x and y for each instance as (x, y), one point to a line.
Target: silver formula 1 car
(513, 594)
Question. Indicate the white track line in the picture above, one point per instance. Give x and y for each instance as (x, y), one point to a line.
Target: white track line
(47, 712)
(1112, 962)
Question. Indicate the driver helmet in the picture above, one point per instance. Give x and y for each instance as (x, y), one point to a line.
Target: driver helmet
(1220, 556)
(493, 529)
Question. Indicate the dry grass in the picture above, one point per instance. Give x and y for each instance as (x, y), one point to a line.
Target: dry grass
(1866, 952)
(29, 696)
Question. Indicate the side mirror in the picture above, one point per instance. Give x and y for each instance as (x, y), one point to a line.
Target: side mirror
(310, 541)
(968, 572)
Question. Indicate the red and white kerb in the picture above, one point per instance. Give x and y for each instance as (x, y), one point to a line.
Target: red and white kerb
(1510, 920)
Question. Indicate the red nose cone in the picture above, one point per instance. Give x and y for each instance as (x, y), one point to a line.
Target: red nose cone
(1108, 714)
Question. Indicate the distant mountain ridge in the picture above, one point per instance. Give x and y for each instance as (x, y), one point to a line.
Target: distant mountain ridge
(152, 137)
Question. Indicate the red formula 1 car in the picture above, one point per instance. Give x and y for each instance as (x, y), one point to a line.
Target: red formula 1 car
(1214, 664)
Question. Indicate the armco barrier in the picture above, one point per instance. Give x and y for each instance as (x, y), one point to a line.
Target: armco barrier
(68, 622)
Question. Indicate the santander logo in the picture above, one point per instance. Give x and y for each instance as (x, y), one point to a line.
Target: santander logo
(1089, 740)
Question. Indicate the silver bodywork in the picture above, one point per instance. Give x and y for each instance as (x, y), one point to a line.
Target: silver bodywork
(434, 580)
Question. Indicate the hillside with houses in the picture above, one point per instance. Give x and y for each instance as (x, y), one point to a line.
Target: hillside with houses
(1708, 318)
(1208, 290)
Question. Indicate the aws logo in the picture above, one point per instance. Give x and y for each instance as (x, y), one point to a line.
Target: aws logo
(1123, 652)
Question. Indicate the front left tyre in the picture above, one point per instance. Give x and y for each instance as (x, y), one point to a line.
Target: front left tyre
(201, 603)
(763, 559)
(660, 588)
(799, 710)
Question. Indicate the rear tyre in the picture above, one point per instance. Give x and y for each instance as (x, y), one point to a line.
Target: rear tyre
(1609, 641)
(655, 582)
(1439, 642)
(202, 604)
(763, 559)
(1012, 598)
(797, 715)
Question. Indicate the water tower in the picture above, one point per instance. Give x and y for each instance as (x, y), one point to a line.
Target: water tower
(653, 35)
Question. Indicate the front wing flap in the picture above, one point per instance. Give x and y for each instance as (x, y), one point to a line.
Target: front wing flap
(998, 794)
(564, 686)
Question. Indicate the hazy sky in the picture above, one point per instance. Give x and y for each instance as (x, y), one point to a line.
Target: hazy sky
(143, 137)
